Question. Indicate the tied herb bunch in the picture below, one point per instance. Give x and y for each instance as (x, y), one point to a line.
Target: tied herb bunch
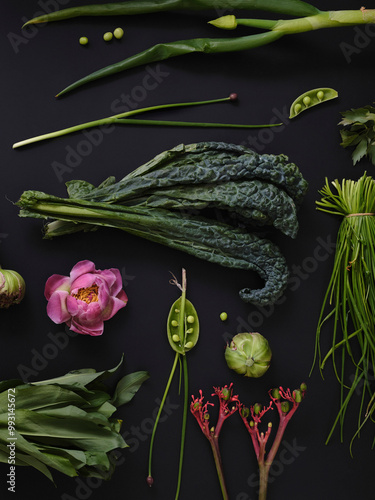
(349, 303)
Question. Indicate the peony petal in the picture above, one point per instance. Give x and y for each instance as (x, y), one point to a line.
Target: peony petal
(122, 296)
(57, 307)
(56, 282)
(113, 307)
(82, 267)
(84, 330)
(117, 284)
(83, 281)
(72, 305)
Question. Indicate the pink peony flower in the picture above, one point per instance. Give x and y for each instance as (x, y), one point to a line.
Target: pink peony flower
(86, 298)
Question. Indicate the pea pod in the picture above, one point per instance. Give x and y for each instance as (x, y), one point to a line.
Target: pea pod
(182, 326)
(311, 98)
(183, 332)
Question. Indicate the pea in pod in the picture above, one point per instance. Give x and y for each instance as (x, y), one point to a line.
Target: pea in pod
(311, 98)
(182, 326)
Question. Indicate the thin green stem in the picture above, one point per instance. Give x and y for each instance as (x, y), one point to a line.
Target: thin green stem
(123, 119)
(183, 427)
(160, 410)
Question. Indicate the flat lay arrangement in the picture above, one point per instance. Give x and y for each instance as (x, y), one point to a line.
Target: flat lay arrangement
(186, 248)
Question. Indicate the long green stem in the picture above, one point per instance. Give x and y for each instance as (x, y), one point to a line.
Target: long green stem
(123, 119)
(183, 427)
(160, 411)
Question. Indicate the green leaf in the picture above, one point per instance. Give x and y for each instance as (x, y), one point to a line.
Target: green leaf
(127, 387)
(360, 151)
(81, 378)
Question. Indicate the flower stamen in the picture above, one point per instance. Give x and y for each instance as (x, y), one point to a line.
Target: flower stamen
(88, 295)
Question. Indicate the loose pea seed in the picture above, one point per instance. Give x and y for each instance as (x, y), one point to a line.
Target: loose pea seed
(306, 100)
(118, 33)
(320, 95)
(175, 338)
(223, 316)
(83, 40)
(107, 37)
(190, 319)
(174, 322)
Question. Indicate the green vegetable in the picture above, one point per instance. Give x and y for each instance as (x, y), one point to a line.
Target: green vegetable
(182, 338)
(312, 19)
(124, 119)
(288, 7)
(65, 423)
(223, 316)
(12, 288)
(107, 37)
(143, 203)
(359, 133)
(118, 33)
(349, 303)
(311, 98)
(83, 40)
(248, 354)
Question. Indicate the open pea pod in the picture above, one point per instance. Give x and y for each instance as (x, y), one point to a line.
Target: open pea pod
(182, 326)
(311, 98)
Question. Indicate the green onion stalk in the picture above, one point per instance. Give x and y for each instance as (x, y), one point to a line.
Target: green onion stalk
(349, 302)
(305, 18)
(126, 119)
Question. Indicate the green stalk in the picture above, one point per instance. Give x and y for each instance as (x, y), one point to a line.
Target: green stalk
(313, 20)
(176, 358)
(288, 7)
(123, 119)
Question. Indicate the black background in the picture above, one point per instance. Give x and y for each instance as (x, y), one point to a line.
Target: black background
(44, 60)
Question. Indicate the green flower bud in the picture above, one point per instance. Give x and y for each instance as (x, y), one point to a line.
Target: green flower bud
(285, 406)
(276, 393)
(297, 396)
(245, 412)
(248, 354)
(228, 22)
(257, 408)
(12, 288)
(226, 393)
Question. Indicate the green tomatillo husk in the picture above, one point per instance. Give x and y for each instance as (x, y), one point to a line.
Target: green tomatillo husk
(248, 354)
(12, 288)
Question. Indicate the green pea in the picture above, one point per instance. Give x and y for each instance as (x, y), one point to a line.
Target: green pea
(107, 37)
(83, 40)
(174, 323)
(118, 33)
(189, 331)
(306, 100)
(190, 319)
(189, 345)
(223, 316)
(311, 98)
(175, 338)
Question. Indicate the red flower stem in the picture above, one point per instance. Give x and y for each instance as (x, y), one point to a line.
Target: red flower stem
(219, 465)
(266, 462)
